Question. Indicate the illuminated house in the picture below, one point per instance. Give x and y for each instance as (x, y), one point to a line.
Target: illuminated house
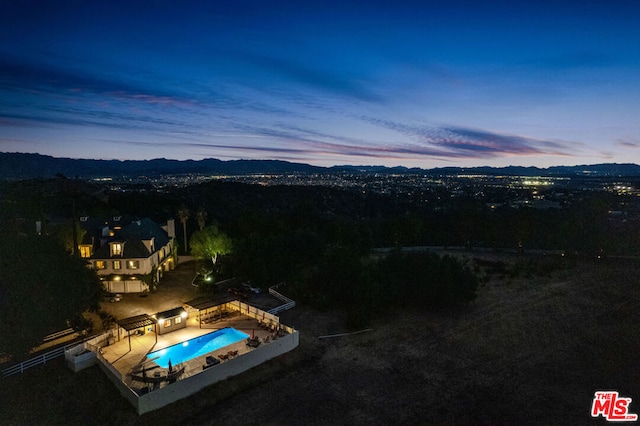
(171, 320)
(129, 255)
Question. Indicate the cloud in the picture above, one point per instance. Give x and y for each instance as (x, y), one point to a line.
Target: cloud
(42, 78)
(492, 144)
(628, 144)
(310, 142)
(460, 142)
(55, 115)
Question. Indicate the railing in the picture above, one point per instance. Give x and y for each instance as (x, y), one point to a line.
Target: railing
(59, 334)
(40, 359)
(287, 305)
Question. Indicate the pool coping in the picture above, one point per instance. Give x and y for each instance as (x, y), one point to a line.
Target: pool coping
(221, 348)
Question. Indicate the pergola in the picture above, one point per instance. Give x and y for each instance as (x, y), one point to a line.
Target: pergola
(203, 304)
(136, 323)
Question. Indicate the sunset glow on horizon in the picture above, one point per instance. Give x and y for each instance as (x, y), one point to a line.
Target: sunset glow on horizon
(416, 84)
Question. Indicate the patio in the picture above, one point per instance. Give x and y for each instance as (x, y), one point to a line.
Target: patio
(147, 385)
(128, 354)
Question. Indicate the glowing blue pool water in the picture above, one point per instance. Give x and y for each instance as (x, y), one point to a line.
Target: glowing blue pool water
(196, 347)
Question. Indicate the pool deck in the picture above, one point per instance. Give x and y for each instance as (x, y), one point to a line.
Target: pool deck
(127, 360)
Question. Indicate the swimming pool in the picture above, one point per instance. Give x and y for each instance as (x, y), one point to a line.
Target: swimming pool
(196, 347)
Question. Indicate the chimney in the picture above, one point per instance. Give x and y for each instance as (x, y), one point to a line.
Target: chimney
(171, 228)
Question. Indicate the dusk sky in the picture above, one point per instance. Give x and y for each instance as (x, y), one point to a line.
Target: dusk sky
(425, 84)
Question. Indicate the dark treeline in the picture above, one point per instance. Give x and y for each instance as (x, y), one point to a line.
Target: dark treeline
(321, 215)
(318, 239)
(432, 217)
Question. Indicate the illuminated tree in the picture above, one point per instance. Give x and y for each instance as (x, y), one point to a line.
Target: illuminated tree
(210, 243)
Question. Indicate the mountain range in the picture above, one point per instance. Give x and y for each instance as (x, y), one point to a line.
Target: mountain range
(18, 166)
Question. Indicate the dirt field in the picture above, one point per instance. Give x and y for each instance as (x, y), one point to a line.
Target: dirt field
(529, 350)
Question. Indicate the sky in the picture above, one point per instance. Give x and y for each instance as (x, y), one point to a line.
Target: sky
(396, 83)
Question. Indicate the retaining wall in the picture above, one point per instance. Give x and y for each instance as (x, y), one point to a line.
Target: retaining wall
(193, 384)
(77, 360)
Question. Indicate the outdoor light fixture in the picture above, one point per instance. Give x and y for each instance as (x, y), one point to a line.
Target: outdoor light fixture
(183, 314)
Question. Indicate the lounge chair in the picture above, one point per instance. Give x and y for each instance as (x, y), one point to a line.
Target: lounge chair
(211, 361)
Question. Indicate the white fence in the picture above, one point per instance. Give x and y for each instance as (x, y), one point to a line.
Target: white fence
(40, 359)
(288, 303)
(253, 312)
(59, 334)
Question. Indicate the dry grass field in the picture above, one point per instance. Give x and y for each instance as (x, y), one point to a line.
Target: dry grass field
(532, 349)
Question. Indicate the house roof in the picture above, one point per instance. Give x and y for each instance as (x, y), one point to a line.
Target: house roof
(175, 312)
(145, 229)
(130, 231)
(209, 302)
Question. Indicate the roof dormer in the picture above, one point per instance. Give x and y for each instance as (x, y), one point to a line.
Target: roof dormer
(150, 244)
(116, 248)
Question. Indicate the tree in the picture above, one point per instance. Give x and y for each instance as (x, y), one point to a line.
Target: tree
(64, 233)
(210, 243)
(426, 280)
(43, 288)
(183, 214)
(201, 217)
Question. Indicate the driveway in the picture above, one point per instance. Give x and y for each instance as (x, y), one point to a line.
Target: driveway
(173, 290)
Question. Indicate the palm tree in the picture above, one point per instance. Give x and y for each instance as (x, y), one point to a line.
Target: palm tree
(201, 217)
(183, 213)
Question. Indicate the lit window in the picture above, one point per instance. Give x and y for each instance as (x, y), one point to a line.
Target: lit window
(85, 251)
(116, 249)
(167, 323)
(117, 265)
(101, 264)
(178, 320)
(133, 264)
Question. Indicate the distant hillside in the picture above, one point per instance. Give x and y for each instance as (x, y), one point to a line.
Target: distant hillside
(28, 166)
(600, 170)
